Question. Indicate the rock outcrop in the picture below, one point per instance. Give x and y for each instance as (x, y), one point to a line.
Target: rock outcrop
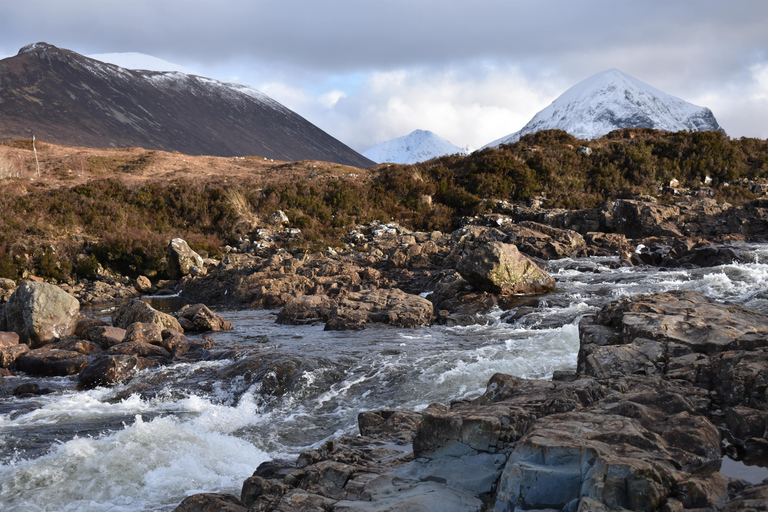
(182, 260)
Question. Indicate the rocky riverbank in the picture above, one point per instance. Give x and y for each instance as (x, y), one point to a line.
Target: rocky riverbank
(666, 384)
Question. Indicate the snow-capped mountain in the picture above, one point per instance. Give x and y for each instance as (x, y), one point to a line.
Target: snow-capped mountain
(611, 100)
(66, 98)
(417, 146)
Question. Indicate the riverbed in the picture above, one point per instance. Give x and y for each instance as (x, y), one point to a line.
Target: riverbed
(271, 391)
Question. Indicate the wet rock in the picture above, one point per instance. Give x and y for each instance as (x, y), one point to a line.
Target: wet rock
(40, 313)
(753, 499)
(105, 336)
(634, 452)
(182, 260)
(51, 362)
(393, 307)
(391, 493)
(86, 347)
(108, 369)
(199, 318)
(30, 389)
(398, 426)
(182, 348)
(139, 349)
(139, 311)
(500, 268)
(211, 502)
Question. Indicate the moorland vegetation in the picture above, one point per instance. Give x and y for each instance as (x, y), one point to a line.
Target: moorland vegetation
(65, 233)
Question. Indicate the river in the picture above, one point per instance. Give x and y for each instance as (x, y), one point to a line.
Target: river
(271, 391)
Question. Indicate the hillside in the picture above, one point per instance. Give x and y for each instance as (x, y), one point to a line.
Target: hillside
(65, 98)
(120, 207)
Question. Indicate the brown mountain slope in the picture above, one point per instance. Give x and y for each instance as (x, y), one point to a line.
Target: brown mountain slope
(65, 98)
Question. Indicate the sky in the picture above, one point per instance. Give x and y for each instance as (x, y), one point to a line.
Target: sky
(367, 71)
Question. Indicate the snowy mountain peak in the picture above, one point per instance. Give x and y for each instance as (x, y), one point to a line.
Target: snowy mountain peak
(611, 100)
(417, 146)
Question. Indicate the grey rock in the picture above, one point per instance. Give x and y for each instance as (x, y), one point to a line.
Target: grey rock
(40, 313)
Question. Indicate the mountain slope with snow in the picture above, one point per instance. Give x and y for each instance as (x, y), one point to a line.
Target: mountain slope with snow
(611, 100)
(141, 61)
(66, 98)
(417, 146)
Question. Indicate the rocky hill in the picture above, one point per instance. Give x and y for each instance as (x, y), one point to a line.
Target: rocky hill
(66, 98)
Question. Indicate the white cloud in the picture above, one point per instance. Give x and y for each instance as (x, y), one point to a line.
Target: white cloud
(469, 108)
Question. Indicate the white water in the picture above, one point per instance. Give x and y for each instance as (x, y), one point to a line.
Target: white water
(189, 428)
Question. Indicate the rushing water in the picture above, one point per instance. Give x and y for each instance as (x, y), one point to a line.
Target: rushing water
(272, 391)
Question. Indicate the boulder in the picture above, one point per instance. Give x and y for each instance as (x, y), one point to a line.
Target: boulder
(306, 309)
(139, 349)
(145, 332)
(47, 362)
(393, 306)
(8, 339)
(182, 260)
(199, 318)
(143, 284)
(105, 335)
(497, 267)
(40, 313)
(139, 311)
(85, 323)
(108, 369)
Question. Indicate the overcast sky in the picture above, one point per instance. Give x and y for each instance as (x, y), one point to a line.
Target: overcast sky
(371, 70)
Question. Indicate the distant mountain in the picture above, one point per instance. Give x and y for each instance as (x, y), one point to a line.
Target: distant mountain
(612, 100)
(417, 146)
(66, 98)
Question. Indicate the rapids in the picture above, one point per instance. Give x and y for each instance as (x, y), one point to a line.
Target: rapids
(271, 391)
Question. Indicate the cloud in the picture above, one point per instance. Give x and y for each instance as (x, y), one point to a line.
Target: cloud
(468, 107)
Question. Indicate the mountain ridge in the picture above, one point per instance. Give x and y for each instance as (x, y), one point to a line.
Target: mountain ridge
(612, 100)
(66, 98)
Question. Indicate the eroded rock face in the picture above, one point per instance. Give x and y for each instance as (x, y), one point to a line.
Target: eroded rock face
(40, 313)
(182, 259)
(497, 267)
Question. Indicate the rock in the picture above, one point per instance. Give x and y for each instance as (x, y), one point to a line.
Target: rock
(198, 318)
(306, 309)
(8, 339)
(84, 323)
(634, 452)
(500, 268)
(86, 347)
(182, 259)
(211, 502)
(47, 362)
(393, 306)
(144, 332)
(10, 354)
(279, 218)
(139, 349)
(108, 369)
(143, 284)
(40, 313)
(105, 336)
(754, 499)
(139, 311)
